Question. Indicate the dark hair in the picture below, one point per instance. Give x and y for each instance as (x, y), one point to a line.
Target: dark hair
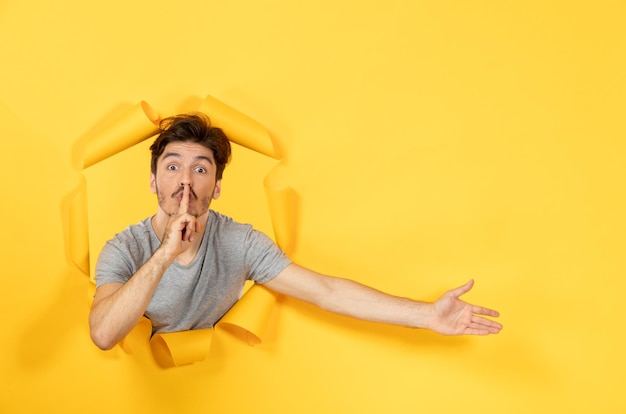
(195, 127)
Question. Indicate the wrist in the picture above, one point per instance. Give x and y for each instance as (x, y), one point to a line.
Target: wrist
(423, 315)
(162, 257)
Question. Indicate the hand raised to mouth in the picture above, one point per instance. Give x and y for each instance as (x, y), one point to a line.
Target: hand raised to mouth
(181, 227)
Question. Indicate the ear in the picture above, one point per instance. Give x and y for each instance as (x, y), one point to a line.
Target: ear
(153, 183)
(217, 190)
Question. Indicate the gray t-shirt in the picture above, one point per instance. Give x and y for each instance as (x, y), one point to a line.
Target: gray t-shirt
(197, 295)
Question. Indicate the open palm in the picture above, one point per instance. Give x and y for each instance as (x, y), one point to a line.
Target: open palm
(453, 316)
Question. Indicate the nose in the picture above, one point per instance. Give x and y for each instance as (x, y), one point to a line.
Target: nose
(185, 179)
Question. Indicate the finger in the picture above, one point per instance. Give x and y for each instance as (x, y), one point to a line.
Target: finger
(184, 202)
(484, 323)
(189, 228)
(480, 330)
(197, 227)
(479, 310)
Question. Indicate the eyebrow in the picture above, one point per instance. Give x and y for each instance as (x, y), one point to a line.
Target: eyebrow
(197, 158)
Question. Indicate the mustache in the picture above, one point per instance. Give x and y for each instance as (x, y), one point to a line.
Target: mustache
(181, 189)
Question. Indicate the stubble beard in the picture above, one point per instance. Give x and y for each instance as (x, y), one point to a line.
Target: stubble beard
(163, 198)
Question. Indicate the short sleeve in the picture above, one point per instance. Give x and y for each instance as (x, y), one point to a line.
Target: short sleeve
(112, 266)
(264, 259)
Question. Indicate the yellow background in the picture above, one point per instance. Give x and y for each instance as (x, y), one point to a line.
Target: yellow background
(429, 142)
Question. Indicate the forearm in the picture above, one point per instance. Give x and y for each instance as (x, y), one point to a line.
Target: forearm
(353, 299)
(113, 315)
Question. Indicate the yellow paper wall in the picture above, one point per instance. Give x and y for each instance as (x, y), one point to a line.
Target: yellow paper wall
(428, 142)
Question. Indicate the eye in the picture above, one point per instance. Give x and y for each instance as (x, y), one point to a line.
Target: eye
(201, 170)
(172, 167)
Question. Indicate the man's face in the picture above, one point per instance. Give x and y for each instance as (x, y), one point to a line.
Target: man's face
(185, 163)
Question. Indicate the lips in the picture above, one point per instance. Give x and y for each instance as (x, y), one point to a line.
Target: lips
(179, 197)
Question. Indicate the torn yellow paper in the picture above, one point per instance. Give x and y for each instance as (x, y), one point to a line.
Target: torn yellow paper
(239, 128)
(77, 228)
(282, 200)
(181, 348)
(140, 333)
(250, 316)
(137, 124)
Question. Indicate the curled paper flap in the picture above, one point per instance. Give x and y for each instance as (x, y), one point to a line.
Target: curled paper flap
(181, 348)
(136, 125)
(78, 234)
(282, 200)
(239, 128)
(250, 316)
(140, 333)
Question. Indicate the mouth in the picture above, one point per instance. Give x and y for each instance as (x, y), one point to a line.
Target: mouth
(178, 195)
(180, 198)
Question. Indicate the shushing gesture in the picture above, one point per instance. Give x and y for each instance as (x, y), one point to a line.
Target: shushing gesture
(182, 228)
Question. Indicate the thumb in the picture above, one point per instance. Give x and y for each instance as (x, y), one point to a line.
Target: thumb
(461, 290)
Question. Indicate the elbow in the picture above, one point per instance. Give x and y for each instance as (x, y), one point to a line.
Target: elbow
(102, 341)
(101, 338)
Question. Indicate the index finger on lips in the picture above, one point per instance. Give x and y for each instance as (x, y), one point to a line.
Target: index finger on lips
(184, 202)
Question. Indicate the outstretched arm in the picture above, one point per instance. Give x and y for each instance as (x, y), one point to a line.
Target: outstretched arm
(449, 315)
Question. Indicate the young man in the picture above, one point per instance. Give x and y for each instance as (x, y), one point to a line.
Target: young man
(185, 266)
